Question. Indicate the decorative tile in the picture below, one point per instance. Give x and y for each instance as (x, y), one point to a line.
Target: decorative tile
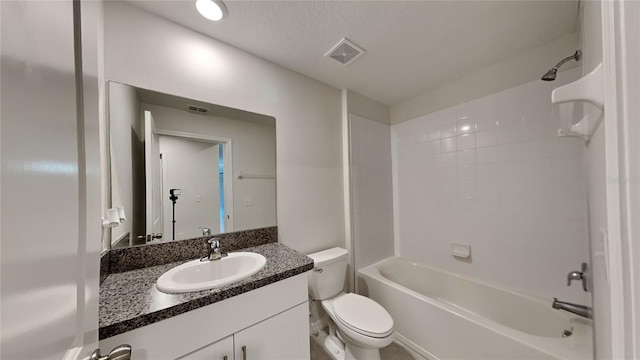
(448, 145)
(513, 170)
(466, 142)
(448, 130)
(466, 157)
(466, 126)
(486, 138)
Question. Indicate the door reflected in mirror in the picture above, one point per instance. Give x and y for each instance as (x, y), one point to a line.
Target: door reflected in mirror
(181, 168)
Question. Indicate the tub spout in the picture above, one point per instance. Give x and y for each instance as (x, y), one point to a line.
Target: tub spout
(580, 310)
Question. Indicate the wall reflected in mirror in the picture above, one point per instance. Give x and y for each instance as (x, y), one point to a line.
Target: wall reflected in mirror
(182, 168)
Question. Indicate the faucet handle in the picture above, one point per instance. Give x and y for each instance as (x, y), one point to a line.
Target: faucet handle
(579, 275)
(574, 275)
(214, 242)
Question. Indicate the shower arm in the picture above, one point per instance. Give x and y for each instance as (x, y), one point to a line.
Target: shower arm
(577, 56)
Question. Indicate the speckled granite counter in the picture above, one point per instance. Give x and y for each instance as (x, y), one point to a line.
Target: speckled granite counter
(130, 300)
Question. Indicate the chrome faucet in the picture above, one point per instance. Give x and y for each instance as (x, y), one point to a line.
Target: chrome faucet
(580, 310)
(214, 250)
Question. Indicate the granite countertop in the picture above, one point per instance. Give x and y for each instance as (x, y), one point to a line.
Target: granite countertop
(130, 300)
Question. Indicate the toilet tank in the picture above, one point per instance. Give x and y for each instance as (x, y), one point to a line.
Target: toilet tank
(329, 271)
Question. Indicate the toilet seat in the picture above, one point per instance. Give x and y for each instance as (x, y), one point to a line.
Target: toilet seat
(363, 315)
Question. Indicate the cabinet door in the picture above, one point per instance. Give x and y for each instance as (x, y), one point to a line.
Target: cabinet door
(281, 337)
(219, 350)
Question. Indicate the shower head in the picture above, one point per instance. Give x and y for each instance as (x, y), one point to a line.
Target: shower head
(551, 74)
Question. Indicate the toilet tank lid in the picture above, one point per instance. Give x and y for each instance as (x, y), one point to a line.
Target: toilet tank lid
(326, 257)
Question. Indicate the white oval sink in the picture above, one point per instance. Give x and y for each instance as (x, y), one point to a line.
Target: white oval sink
(199, 275)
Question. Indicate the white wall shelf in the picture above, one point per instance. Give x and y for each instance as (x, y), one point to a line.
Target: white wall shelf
(588, 88)
(585, 128)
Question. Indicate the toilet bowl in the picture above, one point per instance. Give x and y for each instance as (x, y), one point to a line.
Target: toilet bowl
(360, 322)
(358, 326)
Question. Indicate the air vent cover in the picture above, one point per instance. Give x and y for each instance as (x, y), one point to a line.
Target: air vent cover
(197, 109)
(345, 52)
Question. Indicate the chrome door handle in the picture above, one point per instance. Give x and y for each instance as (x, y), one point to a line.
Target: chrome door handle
(244, 352)
(225, 357)
(150, 237)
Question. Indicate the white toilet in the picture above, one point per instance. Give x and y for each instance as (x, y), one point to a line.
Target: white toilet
(359, 326)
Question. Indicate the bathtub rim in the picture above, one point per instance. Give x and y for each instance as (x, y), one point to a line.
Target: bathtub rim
(542, 300)
(582, 327)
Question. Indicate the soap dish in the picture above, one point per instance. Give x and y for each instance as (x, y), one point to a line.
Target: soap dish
(461, 250)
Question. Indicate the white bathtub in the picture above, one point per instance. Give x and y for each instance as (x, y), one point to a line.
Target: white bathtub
(446, 316)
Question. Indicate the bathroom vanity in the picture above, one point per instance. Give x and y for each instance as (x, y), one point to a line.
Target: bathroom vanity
(262, 317)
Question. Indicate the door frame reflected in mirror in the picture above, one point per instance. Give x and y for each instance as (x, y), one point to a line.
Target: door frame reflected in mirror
(227, 151)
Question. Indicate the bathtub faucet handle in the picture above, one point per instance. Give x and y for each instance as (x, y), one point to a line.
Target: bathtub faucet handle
(574, 275)
(579, 275)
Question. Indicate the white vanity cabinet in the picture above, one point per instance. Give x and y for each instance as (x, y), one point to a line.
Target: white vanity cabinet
(284, 336)
(219, 350)
(271, 322)
(281, 337)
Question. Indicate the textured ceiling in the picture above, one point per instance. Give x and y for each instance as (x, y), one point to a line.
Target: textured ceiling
(412, 46)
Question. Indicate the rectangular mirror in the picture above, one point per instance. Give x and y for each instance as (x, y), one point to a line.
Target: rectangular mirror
(182, 168)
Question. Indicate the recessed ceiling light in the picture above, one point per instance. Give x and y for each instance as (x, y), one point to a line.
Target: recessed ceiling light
(212, 9)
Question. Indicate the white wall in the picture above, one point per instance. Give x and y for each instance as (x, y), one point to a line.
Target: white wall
(367, 108)
(49, 183)
(597, 179)
(371, 190)
(39, 179)
(254, 152)
(90, 243)
(610, 35)
(191, 166)
(504, 75)
(368, 188)
(493, 174)
(125, 129)
(149, 52)
(627, 51)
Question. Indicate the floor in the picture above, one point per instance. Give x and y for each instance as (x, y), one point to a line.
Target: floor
(391, 352)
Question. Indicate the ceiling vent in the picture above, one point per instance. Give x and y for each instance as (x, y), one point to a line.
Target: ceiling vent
(197, 109)
(345, 52)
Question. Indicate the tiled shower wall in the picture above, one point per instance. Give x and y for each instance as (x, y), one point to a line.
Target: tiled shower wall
(492, 173)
